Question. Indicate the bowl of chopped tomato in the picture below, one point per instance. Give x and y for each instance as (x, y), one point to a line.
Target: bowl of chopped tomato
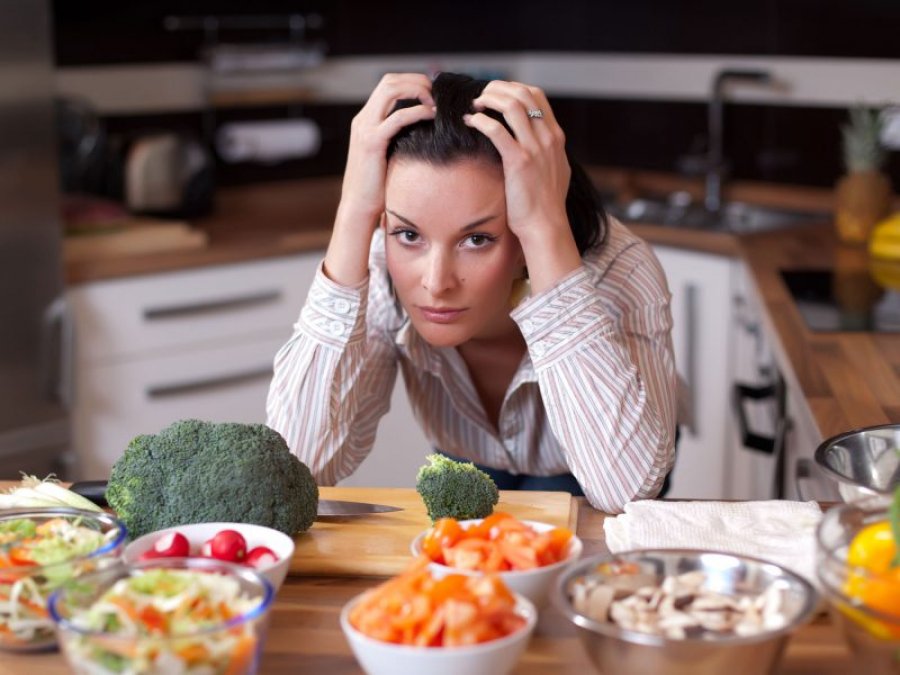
(527, 555)
(859, 572)
(42, 550)
(418, 622)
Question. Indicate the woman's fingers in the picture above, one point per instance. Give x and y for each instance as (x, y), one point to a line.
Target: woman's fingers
(508, 147)
(395, 87)
(514, 101)
(404, 117)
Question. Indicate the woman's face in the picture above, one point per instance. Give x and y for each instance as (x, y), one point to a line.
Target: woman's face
(450, 254)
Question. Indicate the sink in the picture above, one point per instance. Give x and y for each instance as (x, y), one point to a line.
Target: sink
(734, 217)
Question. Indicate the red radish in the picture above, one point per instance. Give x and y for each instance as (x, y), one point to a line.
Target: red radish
(227, 545)
(149, 554)
(260, 556)
(172, 545)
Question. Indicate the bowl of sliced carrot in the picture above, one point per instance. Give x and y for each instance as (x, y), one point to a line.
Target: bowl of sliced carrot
(527, 555)
(418, 623)
(165, 615)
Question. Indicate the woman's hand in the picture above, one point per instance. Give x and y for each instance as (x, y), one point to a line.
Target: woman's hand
(536, 174)
(362, 191)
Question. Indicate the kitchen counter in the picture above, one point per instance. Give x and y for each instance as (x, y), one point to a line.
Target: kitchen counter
(305, 635)
(848, 379)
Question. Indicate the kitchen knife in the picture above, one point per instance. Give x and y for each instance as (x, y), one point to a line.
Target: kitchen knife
(95, 490)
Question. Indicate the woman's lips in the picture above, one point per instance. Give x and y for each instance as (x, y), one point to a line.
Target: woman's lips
(441, 314)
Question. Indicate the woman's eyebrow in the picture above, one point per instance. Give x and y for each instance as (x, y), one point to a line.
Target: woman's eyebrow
(405, 221)
(471, 226)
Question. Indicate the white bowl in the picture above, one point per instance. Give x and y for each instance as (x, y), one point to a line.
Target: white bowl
(533, 584)
(487, 658)
(198, 533)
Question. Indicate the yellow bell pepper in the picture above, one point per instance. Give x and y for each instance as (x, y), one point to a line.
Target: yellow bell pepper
(874, 579)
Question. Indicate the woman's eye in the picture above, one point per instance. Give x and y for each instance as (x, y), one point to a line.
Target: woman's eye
(479, 240)
(406, 236)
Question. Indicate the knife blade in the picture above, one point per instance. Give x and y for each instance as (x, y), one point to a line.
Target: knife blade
(336, 508)
(95, 491)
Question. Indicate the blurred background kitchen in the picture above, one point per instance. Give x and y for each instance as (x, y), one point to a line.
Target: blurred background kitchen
(169, 171)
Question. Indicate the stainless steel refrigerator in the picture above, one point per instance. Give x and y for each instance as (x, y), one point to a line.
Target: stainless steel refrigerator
(34, 430)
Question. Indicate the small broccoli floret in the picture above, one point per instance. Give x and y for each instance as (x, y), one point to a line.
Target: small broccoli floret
(452, 489)
(196, 472)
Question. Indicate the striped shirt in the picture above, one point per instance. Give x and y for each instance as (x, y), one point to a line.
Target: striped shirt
(594, 395)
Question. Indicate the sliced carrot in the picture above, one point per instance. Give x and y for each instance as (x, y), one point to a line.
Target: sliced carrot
(153, 619)
(414, 608)
(193, 653)
(242, 656)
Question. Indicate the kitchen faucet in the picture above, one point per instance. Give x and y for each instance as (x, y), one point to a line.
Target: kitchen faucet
(715, 162)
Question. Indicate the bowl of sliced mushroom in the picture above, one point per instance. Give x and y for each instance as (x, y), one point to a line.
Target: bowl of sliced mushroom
(689, 612)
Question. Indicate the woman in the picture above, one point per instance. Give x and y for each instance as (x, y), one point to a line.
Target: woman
(457, 197)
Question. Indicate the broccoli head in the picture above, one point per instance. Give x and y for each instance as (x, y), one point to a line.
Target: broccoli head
(452, 489)
(195, 472)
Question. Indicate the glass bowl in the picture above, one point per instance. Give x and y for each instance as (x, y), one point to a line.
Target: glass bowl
(163, 616)
(68, 543)
(865, 605)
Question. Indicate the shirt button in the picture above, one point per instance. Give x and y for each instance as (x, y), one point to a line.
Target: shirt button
(539, 348)
(341, 306)
(528, 325)
(336, 328)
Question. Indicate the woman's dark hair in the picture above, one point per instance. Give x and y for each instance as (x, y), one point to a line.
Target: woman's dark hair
(447, 139)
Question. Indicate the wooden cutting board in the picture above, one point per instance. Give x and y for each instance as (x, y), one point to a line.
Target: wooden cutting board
(378, 545)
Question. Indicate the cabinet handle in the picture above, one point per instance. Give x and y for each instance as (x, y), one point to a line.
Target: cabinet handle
(691, 320)
(57, 353)
(751, 439)
(782, 427)
(186, 388)
(224, 305)
(803, 470)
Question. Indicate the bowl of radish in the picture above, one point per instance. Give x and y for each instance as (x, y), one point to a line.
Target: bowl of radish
(262, 548)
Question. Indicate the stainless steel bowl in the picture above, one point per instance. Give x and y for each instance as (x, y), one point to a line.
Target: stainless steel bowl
(616, 651)
(864, 462)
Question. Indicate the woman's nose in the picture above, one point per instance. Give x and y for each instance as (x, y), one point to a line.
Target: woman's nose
(439, 275)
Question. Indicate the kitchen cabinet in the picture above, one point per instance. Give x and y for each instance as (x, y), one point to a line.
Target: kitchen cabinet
(701, 284)
(199, 343)
(779, 418)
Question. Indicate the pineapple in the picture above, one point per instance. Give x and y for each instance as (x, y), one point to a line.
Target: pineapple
(863, 195)
(862, 141)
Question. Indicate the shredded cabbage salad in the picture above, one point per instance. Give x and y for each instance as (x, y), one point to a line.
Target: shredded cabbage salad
(33, 559)
(154, 623)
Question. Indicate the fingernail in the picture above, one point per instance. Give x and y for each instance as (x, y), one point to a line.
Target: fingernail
(467, 118)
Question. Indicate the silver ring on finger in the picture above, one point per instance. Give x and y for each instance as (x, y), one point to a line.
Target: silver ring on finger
(536, 114)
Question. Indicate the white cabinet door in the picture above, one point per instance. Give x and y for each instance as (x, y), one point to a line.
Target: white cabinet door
(700, 284)
(116, 402)
(400, 448)
(139, 317)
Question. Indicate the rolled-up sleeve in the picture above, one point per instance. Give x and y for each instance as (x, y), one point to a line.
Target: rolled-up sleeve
(332, 380)
(606, 372)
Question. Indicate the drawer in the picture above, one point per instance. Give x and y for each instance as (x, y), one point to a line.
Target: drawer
(124, 318)
(113, 403)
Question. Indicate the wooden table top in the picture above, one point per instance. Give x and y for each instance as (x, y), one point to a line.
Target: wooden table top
(305, 636)
(848, 379)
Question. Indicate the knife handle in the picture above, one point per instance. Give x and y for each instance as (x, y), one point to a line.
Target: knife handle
(93, 490)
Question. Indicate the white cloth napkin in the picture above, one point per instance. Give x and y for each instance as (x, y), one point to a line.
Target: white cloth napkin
(782, 532)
